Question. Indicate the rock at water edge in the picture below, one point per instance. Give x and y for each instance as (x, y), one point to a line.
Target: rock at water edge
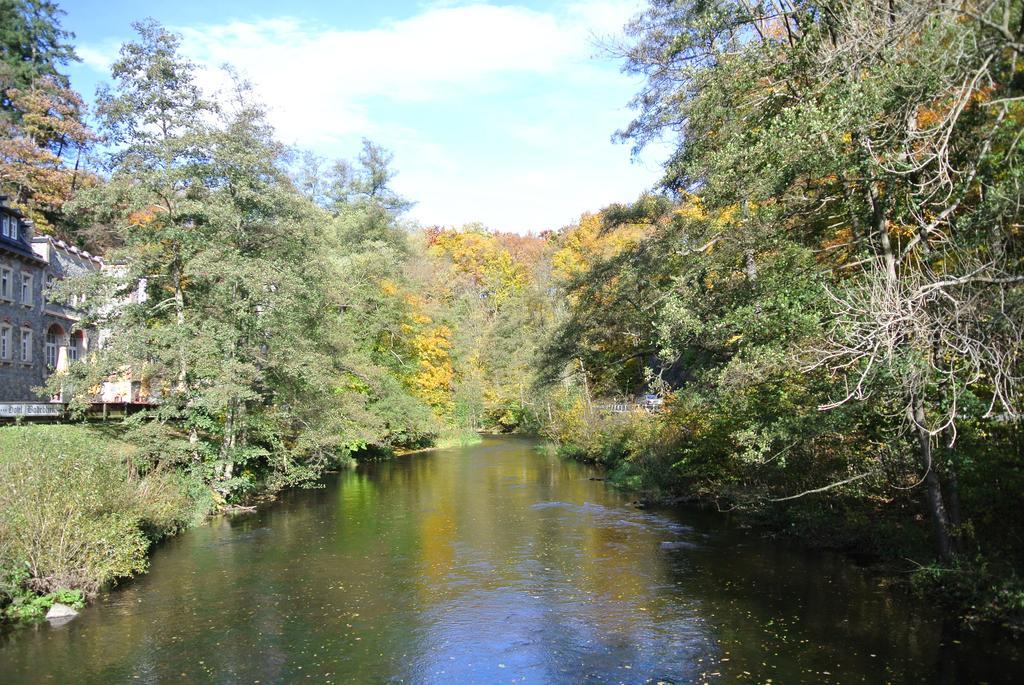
(59, 610)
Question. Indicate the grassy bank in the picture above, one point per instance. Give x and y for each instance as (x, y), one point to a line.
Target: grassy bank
(870, 519)
(78, 511)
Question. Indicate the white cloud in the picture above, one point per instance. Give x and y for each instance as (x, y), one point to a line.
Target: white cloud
(97, 58)
(314, 78)
(543, 106)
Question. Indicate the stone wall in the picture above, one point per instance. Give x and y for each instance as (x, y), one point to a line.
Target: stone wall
(17, 378)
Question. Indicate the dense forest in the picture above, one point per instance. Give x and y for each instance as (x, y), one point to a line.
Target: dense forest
(825, 289)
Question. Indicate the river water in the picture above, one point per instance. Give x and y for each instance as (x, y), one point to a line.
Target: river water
(495, 564)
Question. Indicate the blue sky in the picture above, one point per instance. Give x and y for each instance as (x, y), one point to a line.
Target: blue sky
(500, 113)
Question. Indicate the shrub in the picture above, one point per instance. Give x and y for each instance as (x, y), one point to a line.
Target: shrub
(26, 606)
(75, 513)
(68, 513)
(638, 447)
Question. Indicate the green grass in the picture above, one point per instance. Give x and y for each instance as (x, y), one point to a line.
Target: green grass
(80, 440)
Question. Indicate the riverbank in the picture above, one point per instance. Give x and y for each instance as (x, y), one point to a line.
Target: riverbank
(446, 440)
(875, 525)
(78, 511)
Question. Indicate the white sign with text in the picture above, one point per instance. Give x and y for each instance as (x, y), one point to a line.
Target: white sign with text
(16, 409)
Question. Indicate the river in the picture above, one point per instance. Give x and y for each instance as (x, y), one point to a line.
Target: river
(495, 564)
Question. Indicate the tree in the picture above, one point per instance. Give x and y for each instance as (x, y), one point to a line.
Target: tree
(490, 291)
(885, 137)
(154, 119)
(358, 195)
(229, 333)
(613, 282)
(42, 131)
(32, 46)
(35, 151)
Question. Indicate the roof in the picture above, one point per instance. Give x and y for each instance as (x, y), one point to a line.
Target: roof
(9, 210)
(16, 247)
(19, 249)
(68, 248)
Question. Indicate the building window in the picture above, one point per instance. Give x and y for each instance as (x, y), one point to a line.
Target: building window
(26, 289)
(75, 346)
(6, 283)
(6, 342)
(26, 345)
(10, 227)
(50, 348)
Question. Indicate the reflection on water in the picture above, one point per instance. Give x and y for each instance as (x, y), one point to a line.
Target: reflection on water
(494, 564)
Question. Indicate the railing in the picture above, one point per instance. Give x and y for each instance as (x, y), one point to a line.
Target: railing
(624, 407)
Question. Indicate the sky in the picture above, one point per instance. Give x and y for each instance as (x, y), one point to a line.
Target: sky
(498, 113)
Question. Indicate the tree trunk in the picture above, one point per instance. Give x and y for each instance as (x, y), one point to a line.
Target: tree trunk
(193, 442)
(953, 505)
(881, 228)
(932, 485)
(229, 441)
(586, 387)
(179, 315)
(750, 266)
(227, 444)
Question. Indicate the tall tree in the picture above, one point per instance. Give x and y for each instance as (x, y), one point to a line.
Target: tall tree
(42, 131)
(41, 152)
(884, 136)
(32, 45)
(361, 196)
(155, 120)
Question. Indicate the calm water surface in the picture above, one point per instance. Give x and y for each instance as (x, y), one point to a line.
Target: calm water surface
(495, 564)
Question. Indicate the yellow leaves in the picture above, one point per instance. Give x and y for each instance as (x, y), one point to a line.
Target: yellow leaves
(692, 207)
(902, 230)
(726, 215)
(50, 112)
(928, 117)
(590, 241)
(388, 287)
(983, 93)
(714, 276)
(142, 217)
(571, 416)
(468, 250)
(434, 376)
(482, 257)
(35, 149)
(431, 376)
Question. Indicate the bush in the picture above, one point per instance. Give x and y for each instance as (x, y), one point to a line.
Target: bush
(27, 606)
(75, 514)
(976, 588)
(638, 447)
